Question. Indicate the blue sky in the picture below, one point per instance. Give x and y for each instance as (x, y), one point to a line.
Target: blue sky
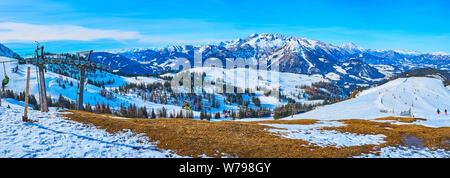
(75, 25)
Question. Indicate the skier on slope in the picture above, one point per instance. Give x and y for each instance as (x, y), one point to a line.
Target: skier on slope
(438, 112)
(445, 111)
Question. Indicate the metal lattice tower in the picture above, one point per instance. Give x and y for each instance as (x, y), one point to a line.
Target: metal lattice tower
(78, 60)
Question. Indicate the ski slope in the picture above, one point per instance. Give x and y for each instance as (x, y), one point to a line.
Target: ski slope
(422, 95)
(53, 136)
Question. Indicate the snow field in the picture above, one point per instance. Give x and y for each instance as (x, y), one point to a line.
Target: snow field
(407, 152)
(52, 136)
(252, 78)
(325, 138)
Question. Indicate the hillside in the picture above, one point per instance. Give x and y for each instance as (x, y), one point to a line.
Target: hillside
(155, 93)
(67, 87)
(288, 83)
(5, 51)
(395, 98)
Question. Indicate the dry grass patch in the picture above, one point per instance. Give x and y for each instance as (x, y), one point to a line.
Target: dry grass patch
(189, 137)
(397, 134)
(401, 119)
(298, 121)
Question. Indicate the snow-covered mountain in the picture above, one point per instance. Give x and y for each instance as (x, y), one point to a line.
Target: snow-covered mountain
(352, 48)
(356, 71)
(118, 62)
(5, 51)
(294, 54)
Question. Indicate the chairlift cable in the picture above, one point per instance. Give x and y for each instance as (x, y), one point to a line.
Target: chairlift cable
(4, 69)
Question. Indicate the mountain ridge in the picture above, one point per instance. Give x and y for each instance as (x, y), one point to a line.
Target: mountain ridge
(5, 51)
(294, 54)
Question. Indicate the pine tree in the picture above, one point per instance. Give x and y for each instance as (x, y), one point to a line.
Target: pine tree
(233, 115)
(32, 100)
(208, 117)
(217, 115)
(108, 109)
(276, 116)
(153, 114)
(191, 114)
(202, 115)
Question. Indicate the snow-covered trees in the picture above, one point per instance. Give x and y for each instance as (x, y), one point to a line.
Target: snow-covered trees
(292, 108)
(107, 94)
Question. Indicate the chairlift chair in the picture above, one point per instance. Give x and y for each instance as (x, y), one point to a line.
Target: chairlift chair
(5, 80)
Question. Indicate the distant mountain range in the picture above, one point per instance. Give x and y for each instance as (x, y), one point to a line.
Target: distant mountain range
(345, 64)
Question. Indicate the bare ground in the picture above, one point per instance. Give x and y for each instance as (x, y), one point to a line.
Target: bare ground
(189, 137)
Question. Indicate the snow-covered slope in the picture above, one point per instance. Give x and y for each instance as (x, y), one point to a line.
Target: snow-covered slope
(5, 51)
(245, 78)
(252, 78)
(352, 48)
(100, 76)
(52, 136)
(92, 94)
(422, 95)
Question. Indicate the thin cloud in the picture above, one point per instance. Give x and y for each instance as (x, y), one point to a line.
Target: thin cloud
(22, 32)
